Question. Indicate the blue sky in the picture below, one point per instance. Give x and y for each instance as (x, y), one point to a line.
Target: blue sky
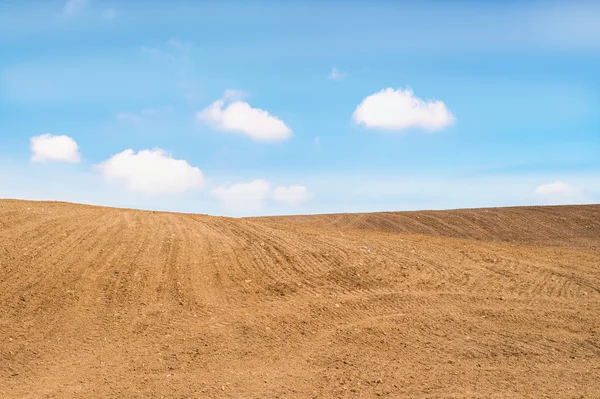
(255, 107)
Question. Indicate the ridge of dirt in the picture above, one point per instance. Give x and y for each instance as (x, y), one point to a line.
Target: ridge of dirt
(118, 303)
(566, 225)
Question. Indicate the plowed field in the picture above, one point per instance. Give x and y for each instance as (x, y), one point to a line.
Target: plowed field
(114, 303)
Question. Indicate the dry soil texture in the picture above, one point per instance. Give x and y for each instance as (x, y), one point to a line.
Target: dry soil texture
(113, 303)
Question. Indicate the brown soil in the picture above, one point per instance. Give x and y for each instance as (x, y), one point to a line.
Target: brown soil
(113, 303)
(575, 226)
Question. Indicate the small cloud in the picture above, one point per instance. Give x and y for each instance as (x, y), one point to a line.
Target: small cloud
(47, 147)
(244, 196)
(74, 6)
(239, 116)
(292, 195)
(110, 13)
(252, 196)
(400, 109)
(317, 141)
(559, 193)
(152, 172)
(336, 74)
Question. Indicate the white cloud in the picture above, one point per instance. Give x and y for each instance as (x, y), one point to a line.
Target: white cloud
(239, 116)
(110, 13)
(73, 6)
(336, 74)
(291, 195)
(152, 172)
(400, 109)
(558, 193)
(252, 196)
(47, 147)
(244, 196)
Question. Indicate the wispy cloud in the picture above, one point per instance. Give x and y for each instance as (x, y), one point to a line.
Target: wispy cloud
(129, 117)
(179, 45)
(172, 50)
(336, 74)
(74, 6)
(143, 115)
(244, 197)
(234, 95)
(559, 193)
(317, 142)
(177, 55)
(292, 195)
(252, 196)
(110, 13)
(567, 24)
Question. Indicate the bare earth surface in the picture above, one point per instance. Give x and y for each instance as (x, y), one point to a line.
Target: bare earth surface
(112, 303)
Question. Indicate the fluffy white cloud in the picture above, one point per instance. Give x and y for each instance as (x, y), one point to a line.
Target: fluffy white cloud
(152, 172)
(558, 193)
(290, 195)
(73, 6)
(336, 74)
(233, 115)
(400, 109)
(244, 196)
(47, 147)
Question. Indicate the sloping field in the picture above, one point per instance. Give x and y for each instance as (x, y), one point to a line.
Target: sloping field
(112, 303)
(576, 225)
